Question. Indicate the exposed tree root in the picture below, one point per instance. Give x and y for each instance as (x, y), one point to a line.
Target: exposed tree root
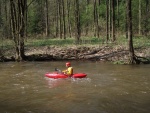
(139, 60)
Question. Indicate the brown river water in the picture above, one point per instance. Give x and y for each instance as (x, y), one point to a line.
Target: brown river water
(107, 88)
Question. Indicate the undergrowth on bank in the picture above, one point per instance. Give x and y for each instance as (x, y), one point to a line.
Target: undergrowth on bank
(85, 41)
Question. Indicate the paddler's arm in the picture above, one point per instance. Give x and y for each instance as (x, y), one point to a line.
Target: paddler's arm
(65, 71)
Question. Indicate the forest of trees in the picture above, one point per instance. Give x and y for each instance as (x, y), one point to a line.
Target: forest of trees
(63, 19)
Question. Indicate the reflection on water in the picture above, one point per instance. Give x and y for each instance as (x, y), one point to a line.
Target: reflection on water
(107, 89)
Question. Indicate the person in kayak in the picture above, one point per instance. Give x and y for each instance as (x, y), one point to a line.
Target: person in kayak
(69, 70)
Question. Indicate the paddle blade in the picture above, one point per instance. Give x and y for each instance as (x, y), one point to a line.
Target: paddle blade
(56, 69)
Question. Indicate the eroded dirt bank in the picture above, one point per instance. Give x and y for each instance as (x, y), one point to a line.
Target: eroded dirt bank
(103, 53)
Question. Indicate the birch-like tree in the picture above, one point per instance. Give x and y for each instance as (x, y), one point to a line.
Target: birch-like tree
(18, 8)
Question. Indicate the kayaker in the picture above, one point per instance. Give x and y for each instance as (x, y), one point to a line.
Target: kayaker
(69, 70)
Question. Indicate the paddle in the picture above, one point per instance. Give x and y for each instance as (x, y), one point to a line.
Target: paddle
(58, 70)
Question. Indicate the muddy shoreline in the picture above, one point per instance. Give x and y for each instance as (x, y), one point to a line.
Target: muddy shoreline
(92, 53)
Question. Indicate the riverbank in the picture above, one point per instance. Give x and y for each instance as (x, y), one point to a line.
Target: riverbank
(117, 54)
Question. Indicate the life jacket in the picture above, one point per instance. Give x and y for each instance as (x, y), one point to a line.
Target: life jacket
(69, 71)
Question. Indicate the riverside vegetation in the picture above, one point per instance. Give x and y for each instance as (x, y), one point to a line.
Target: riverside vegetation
(83, 20)
(93, 49)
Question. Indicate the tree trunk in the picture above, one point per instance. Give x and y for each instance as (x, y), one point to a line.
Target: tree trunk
(60, 18)
(113, 21)
(57, 18)
(118, 18)
(87, 23)
(64, 21)
(18, 26)
(47, 19)
(0, 9)
(146, 23)
(26, 19)
(139, 17)
(109, 18)
(96, 17)
(95, 23)
(77, 21)
(107, 21)
(132, 59)
(68, 17)
(126, 22)
(4, 29)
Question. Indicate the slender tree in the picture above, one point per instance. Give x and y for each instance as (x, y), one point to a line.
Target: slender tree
(0, 14)
(87, 23)
(139, 17)
(64, 20)
(113, 20)
(77, 21)
(68, 17)
(96, 23)
(132, 59)
(17, 8)
(60, 18)
(107, 20)
(146, 17)
(118, 18)
(57, 18)
(47, 18)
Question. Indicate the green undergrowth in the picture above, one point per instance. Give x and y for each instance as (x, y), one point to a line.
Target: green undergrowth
(63, 42)
(85, 41)
(119, 62)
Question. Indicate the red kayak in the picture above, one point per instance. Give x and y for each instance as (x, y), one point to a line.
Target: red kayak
(62, 75)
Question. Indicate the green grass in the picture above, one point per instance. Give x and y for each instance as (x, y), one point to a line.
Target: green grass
(6, 43)
(85, 41)
(141, 42)
(63, 42)
(45, 42)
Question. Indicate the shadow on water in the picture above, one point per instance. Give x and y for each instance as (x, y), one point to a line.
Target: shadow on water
(107, 89)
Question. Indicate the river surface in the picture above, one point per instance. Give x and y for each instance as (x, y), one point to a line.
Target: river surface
(107, 88)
